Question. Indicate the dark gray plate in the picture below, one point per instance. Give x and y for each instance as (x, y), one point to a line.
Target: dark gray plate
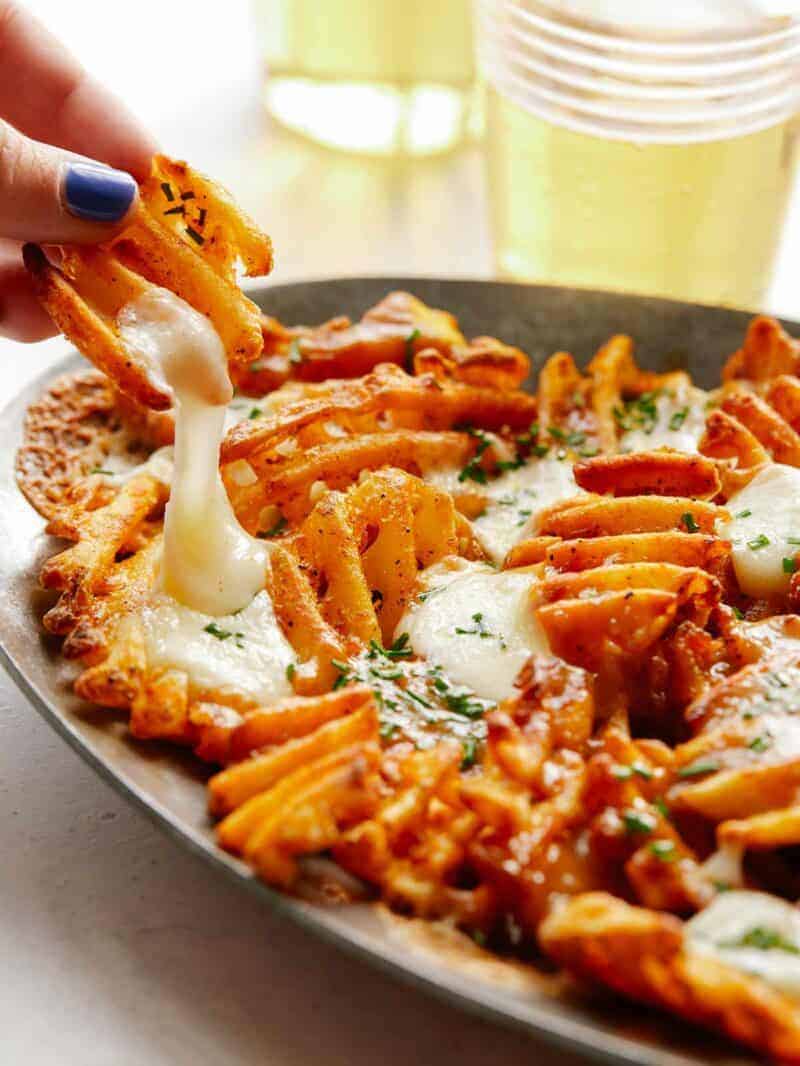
(169, 786)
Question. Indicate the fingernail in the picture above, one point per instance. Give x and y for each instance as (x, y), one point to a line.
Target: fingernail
(97, 193)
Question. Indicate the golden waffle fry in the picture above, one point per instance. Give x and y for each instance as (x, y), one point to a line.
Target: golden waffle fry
(186, 237)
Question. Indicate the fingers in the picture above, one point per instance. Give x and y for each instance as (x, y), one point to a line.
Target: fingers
(21, 316)
(45, 93)
(48, 195)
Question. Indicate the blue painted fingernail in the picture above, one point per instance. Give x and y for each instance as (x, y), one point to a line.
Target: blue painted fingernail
(97, 193)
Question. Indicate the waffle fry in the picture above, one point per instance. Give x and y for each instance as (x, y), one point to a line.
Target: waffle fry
(649, 735)
(186, 237)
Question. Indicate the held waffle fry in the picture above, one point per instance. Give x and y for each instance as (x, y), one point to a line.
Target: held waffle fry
(523, 662)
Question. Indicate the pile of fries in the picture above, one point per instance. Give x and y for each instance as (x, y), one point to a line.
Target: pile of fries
(575, 817)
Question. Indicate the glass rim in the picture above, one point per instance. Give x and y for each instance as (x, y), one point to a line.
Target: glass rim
(712, 74)
(700, 113)
(701, 44)
(521, 94)
(578, 78)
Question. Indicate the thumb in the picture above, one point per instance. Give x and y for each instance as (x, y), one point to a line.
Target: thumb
(52, 196)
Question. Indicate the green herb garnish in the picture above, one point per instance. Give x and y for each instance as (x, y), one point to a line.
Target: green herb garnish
(699, 767)
(678, 418)
(761, 541)
(280, 526)
(473, 471)
(638, 822)
(765, 939)
(663, 850)
(295, 355)
(410, 340)
(689, 522)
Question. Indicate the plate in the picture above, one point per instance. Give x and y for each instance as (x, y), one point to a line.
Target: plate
(168, 785)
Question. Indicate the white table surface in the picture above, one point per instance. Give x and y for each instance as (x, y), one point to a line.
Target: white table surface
(116, 947)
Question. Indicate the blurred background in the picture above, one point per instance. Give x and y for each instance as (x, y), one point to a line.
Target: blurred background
(595, 142)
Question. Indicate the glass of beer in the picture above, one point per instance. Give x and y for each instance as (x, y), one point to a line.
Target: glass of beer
(640, 147)
(380, 77)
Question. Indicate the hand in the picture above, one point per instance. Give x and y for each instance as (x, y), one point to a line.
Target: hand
(57, 127)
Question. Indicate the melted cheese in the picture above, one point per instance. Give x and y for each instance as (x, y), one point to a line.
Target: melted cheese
(477, 623)
(209, 563)
(766, 514)
(735, 923)
(244, 652)
(724, 867)
(679, 423)
(514, 500)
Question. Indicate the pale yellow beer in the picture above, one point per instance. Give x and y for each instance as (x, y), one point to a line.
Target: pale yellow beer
(375, 76)
(695, 221)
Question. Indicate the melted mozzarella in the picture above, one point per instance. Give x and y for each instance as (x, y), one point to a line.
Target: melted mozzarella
(679, 423)
(210, 563)
(477, 623)
(731, 928)
(724, 866)
(517, 499)
(244, 652)
(766, 513)
(514, 500)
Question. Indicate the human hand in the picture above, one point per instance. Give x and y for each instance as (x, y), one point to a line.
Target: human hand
(57, 126)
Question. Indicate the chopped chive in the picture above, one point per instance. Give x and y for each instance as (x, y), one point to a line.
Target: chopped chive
(276, 530)
(179, 210)
(201, 217)
(642, 771)
(215, 631)
(793, 540)
(101, 470)
(738, 613)
(689, 522)
(410, 339)
(761, 541)
(166, 188)
(255, 412)
(470, 750)
(789, 565)
(678, 418)
(699, 767)
(638, 822)
(660, 805)
(187, 195)
(764, 939)
(295, 355)
(291, 670)
(663, 850)
(759, 744)
(744, 514)
(196, 237)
